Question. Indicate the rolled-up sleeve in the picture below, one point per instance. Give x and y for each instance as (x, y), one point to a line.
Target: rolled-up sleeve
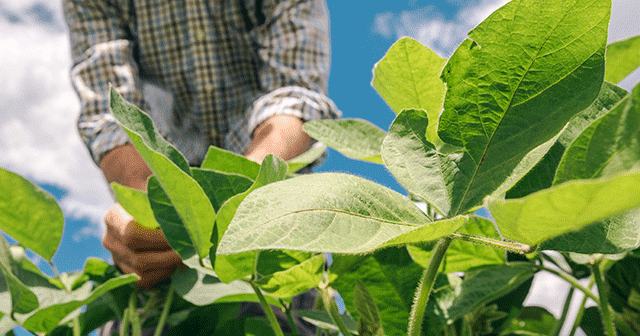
(295, 53)
(103, 53)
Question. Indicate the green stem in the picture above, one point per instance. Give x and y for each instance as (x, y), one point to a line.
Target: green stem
(568, 278)
(292, 322)
(267, 310)
(425, 286)
(124, 325)
(77, 331)
(165, 312)
(136, 328)
(565, 311)
(332, 308)
(514, 247)
(607, 318)
(583, 307)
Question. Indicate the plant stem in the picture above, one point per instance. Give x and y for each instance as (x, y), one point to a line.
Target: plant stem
(607, 318)
(565, 311)
(578, 319)
(165, 312)
(267, 310)
(514, 247)
(124, 325)
(425, 285)
(332, 309)
(136, 328)
(292, 322)
(76, 326)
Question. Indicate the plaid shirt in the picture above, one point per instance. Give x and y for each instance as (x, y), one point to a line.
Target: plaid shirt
(226, 65)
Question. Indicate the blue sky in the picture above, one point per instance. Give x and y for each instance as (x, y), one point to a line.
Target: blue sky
(37, 124)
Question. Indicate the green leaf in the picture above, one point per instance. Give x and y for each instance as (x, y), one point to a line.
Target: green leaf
(462, 255)
(609, 145)
(623, 282)
(622, 58)
(23, 300)
(530, 321)
(44, 320)
(369, 323)
(30, 215)
(293, 280)
(167, 217)
(307, 158)
(220, 186)
(482, 286)
(328, 212)
(322, 319)
(591, 323)
(392, 285)
(136, 203)
(171, 171)
(354, 138)
(542, 175)
(566, 207)
(202, 289)
(237, 266)
(229, 162)
(501, 104)
(408, 77)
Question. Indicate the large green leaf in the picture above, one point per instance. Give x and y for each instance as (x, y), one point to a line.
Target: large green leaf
(542, 175)
(566, 207)
(44, 320)
(237, 266)
(136, 203)
(530, 321)
(479, 287)
(408, 76)
(329, 212)
(23, 300)
(611, 144)
(392, 286)
(622, 58)
(30, 215)
(354, 138)
(171, 171)
(526, 71)
(229, 162)
(462, 255)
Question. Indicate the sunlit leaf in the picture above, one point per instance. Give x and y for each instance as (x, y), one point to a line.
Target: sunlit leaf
(172, 172)
(314, 153)
(29, 215)
(328, 212)
(23, 300)
(408, 77)
(501, 103)
(229, 162)
(622, 58)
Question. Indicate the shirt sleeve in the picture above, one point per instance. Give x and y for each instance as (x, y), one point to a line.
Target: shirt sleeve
(293, 41)
(102, 53)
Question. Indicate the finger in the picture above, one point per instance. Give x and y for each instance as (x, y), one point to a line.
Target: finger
(150, 277)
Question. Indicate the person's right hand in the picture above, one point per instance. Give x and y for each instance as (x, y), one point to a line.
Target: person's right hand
(139, 250)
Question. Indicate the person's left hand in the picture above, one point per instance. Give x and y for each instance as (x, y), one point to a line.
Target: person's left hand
(139, 250)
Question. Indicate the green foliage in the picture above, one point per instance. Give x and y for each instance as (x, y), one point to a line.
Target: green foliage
(520, 110)
(30, 215)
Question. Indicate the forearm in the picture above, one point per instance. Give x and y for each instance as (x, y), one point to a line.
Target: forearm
(125, 166)
(281, 135)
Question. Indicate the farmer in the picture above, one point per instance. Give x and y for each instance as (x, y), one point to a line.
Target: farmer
(243, 75)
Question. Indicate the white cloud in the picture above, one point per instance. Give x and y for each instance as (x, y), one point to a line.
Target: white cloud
(38, 137)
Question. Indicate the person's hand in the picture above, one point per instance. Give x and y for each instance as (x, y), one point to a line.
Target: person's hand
(139, 250)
